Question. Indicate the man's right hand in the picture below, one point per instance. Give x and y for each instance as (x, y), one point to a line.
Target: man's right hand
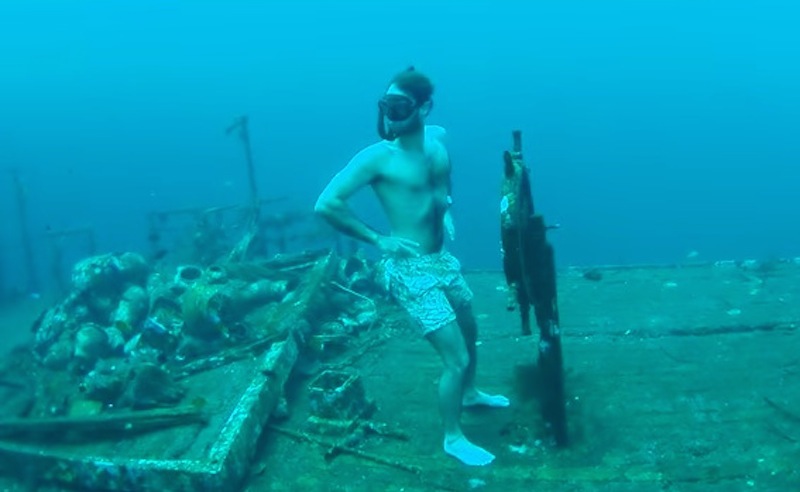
(397, 246)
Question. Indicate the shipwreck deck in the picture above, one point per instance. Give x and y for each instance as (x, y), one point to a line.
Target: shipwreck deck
(679, 378)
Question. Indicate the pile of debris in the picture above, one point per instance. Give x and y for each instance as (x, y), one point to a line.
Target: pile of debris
(126, 335)
(134, 354)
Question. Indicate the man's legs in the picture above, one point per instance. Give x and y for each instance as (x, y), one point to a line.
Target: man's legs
(449, 343)
(428, 288)
(468, 326)
(469, 331)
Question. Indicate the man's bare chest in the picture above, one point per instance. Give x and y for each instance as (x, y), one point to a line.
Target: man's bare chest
(411, 175)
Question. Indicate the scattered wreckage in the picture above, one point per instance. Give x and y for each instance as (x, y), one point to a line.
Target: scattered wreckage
(147, 379)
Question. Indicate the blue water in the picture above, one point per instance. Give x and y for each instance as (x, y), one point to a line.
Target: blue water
(653, 128)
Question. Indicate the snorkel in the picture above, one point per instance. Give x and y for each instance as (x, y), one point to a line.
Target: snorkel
(384, 132)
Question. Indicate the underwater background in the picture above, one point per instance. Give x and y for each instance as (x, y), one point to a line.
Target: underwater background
(655, 130)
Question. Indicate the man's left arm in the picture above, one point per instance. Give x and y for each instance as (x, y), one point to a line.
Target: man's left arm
(448, 216)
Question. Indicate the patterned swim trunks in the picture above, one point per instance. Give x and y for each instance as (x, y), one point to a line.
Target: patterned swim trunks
(430, 287)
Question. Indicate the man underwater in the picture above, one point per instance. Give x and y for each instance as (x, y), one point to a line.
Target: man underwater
(409, 171)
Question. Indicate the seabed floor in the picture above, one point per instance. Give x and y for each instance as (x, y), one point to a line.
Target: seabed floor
(679, 378)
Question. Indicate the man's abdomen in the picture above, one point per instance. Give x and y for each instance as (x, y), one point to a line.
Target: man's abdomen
(414, 216)
(422, 226)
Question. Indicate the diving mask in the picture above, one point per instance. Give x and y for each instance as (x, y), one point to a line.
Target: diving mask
(396, 107)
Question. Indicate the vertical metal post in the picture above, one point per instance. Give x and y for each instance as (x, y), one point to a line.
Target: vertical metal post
(24, 233)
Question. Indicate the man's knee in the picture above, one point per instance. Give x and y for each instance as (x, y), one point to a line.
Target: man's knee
(460, 360)
(450, 344)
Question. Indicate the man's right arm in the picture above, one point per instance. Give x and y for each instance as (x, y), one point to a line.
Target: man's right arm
(332, 203)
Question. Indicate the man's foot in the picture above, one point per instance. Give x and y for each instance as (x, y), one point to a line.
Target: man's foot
(466, 452)
(479, 398)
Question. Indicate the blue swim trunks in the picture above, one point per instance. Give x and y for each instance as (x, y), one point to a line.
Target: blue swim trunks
(430, 287)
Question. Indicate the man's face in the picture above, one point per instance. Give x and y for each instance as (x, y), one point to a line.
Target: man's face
(401, 113)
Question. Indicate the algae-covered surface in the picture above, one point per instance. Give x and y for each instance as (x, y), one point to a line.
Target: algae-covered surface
(680, 378)
(192, 441)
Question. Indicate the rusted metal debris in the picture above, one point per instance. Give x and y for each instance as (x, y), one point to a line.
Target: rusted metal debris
(529, 267)
(332, 449)
(216, 457)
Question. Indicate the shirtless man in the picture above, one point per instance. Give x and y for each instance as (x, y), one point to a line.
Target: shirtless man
(409, 170)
